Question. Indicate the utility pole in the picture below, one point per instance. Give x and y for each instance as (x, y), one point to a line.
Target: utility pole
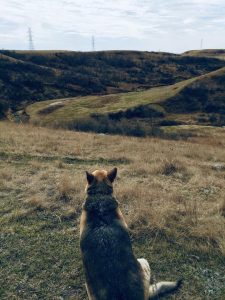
(201, 46)
(30, 39)
(93, 43)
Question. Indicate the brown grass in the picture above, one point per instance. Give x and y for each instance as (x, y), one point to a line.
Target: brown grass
(163, 186)
(164, 178)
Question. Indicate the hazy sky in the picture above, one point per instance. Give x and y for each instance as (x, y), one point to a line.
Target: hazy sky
(152, 25)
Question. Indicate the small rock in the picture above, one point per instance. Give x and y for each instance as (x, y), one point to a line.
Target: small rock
(195, 257)
(219, 166)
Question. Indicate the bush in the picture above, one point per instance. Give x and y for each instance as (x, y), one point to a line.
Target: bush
(169, 123)
(141, 111)
(3, 108)
(213, 119)
(50, 108)
(103, 124)
(202, 119)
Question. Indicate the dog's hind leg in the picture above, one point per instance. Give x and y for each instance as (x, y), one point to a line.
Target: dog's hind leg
(162, 288)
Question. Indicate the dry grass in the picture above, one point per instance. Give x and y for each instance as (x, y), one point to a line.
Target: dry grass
(170, 193)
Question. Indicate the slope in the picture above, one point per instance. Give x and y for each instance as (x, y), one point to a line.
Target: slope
(203, 94)
(69, 109)
(29, 76)
(206, 94)
(213, 53)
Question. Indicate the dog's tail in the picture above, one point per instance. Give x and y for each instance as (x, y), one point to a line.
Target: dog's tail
(163, 288)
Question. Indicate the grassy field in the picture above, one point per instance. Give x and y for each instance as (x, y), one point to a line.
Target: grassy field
(186, 101)
(70, 109)
(170, 192)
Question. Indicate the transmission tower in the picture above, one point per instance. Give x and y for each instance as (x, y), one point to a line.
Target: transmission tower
(30, 39)
(93, 43)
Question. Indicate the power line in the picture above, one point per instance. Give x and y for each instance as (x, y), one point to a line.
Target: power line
(30, 39)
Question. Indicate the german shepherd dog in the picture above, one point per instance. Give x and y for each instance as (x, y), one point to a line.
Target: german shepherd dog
(112, 272)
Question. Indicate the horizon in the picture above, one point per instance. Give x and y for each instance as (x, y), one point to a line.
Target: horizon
(132, 25)
(109, 50)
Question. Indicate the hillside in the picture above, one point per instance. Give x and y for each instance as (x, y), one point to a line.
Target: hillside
(193, 101)
(29, 76)
(170, 192)
(69, 109)
(213, 53)
(206, 94)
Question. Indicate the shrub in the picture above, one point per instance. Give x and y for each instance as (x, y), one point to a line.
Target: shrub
(169, 123)
(171, 167)
(103, 124)
(213, 119)
(50, 108)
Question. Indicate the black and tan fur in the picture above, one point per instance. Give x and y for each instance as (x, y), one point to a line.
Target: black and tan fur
(112, 272)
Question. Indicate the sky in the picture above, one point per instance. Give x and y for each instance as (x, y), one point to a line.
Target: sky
(150, 25)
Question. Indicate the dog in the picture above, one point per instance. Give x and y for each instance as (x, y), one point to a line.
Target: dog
(111, 270)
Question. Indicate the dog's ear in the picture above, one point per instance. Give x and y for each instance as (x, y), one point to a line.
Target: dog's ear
(90, 177)
(112, 174)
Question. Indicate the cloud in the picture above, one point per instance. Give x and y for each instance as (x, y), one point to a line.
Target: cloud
(58, 21)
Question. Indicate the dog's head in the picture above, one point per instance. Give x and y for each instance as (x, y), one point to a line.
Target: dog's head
(100, 182)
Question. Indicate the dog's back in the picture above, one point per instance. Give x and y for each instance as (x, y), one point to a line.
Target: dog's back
(112, 272)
